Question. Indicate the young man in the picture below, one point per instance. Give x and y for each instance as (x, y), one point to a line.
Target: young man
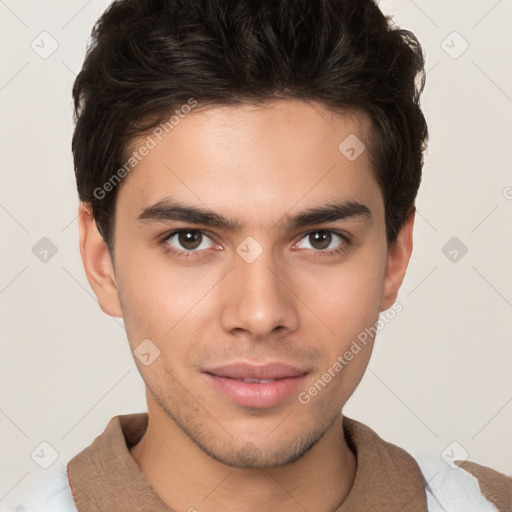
(247, 174)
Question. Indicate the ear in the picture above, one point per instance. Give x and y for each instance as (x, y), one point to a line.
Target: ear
(97, 263)
(399, 253)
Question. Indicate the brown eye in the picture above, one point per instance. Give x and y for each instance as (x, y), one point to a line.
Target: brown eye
(190, 240)
(323, 241)
(320, 240)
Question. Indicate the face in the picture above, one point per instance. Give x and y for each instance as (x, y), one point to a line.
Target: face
(252, 252)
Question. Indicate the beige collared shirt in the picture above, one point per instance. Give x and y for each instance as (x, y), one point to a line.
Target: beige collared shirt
(105, 477)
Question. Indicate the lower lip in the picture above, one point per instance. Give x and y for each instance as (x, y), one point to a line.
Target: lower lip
(256, 394)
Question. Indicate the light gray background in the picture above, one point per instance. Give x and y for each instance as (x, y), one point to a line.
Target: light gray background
(441, 370)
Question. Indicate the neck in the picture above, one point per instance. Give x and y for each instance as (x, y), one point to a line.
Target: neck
(188, 479)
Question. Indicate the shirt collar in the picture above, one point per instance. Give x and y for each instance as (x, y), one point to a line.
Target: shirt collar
(104, 476)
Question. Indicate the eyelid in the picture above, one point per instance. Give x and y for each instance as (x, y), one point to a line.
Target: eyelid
(177, 231)
(345, 237)
(343, 234)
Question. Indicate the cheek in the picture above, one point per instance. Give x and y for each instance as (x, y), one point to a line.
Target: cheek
(347, 299)
(350, 310)
(157, 296)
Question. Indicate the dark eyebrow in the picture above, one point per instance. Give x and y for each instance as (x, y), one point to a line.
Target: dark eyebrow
(171, 210)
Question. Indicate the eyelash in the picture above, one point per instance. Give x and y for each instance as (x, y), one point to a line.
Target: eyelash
(186, 254)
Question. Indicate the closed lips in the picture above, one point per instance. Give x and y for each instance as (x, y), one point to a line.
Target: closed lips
(257, 373)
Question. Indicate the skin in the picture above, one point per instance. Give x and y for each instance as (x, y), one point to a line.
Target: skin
(293, 304)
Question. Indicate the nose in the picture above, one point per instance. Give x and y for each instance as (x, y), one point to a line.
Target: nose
(258, 300)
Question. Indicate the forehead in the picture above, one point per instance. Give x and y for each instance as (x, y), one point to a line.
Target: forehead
(245, 160)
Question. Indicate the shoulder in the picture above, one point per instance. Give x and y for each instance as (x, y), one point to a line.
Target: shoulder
(496, 486)
(50, 495)
(463, 486)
